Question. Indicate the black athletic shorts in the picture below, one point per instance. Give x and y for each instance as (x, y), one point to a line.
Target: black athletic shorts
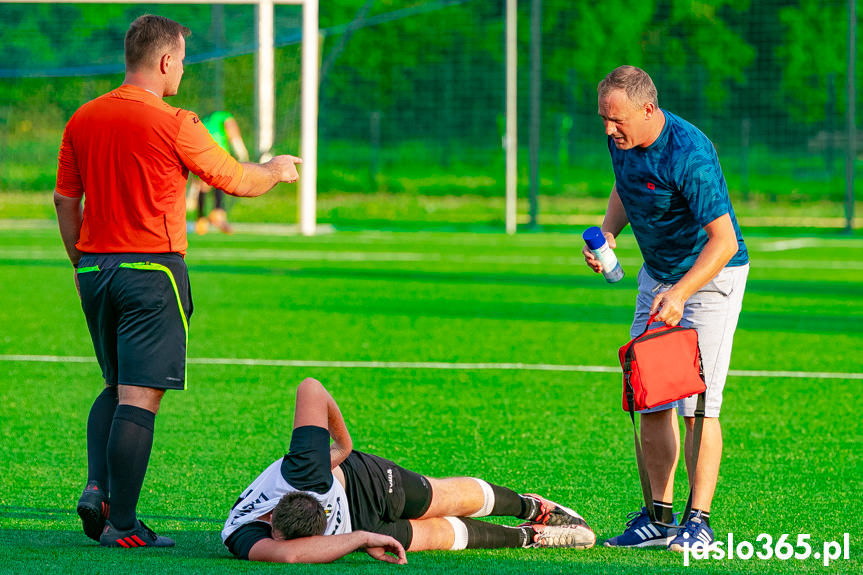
(137, 308)
(382, 496)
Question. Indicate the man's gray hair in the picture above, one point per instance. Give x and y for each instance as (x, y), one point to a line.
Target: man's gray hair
(634, 81)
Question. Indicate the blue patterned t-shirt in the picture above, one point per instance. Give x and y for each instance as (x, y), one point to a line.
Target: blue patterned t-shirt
(670, 191)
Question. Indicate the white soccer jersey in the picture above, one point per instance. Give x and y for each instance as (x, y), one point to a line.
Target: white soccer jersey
(264, 493)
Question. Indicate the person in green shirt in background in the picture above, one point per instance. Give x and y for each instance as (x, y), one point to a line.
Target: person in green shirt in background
(226, 132)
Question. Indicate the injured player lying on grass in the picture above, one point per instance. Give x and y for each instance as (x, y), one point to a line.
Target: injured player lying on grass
(322, 501)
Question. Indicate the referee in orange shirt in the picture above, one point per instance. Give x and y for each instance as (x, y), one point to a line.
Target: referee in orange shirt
(129, 153)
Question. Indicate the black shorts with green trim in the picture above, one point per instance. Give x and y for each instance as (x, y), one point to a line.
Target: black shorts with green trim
(138, 308)
(383, 496)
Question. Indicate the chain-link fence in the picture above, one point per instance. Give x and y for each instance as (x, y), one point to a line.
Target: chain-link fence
(412, 94)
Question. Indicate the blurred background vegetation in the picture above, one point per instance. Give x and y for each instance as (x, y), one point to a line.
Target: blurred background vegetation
(412, 94)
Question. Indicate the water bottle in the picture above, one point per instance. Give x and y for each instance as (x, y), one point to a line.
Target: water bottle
(595, 240)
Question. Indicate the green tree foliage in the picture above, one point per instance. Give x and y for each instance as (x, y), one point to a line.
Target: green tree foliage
(402, 70)
(671, 39)
(689, 35)
(596, 38)
(406, 55)
(814, 50)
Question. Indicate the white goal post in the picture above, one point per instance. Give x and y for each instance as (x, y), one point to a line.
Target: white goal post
(511, 137)
(266, 90)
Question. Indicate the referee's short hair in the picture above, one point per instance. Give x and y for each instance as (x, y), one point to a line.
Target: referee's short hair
(148, 37)
(298, 514)
(637, 84)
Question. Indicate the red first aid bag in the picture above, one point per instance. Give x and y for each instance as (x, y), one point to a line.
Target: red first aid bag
(659, 366)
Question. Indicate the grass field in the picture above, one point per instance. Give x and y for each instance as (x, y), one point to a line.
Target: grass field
(466, 354)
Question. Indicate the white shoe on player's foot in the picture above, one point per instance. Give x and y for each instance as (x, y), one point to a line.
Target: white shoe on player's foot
(563, 536)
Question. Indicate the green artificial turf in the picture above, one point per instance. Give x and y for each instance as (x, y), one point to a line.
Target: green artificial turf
(792, 442)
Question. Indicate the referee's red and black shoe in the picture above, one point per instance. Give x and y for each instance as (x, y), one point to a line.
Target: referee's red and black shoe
(139, 536)
(93, 510)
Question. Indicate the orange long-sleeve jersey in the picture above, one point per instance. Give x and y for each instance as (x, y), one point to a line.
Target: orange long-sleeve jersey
(128, 153)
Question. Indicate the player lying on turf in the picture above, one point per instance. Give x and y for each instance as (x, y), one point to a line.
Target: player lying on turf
(361, 501)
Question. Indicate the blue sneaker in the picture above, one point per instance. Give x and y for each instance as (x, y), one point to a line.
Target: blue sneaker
(695, 534)
(641, 532)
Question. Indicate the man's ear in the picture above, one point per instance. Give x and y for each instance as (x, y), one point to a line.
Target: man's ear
(164, 63)
(648, 110)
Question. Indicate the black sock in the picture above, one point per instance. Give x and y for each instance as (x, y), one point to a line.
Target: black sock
(128, 456)
(530, 508)
(98, 431)
(704, 515)
(506, 502)
(482, 535)
(664, 511)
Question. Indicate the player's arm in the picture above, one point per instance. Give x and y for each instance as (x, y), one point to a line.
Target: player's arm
(612, 224)
(315, 406)
(232, 130)
(325, 549)
(70, 214)
(720, 248)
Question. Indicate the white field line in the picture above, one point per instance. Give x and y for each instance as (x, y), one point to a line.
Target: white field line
(785, 245)
(307, 255)
(328, 234)
(428, 365)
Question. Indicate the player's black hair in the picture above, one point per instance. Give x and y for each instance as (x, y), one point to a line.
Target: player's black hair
(298, 514)
(149, 36)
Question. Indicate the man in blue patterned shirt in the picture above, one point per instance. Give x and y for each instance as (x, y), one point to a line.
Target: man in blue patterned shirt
(670, 189)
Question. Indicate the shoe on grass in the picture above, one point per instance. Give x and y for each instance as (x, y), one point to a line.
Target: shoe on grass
(551, 513)
(641, 532)
(696, 533)
(138, 536)
(93, 510)
(563, 536)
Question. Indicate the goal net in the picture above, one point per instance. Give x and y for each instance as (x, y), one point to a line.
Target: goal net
(58, 55)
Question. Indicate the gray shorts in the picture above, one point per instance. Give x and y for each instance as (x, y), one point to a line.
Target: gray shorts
(712, 311)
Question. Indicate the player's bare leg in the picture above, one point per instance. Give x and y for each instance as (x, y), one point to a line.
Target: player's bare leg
(696, 528)
(148, 398)
(660, 439)
(431, 534)
(709, 457)
(454, 533)
(456, 496)
(456, 500)
(472, 497)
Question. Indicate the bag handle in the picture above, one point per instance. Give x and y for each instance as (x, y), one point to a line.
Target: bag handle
(646, 490)
(650, 321)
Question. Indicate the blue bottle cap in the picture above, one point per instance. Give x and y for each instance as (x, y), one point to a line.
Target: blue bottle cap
(593, 237)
